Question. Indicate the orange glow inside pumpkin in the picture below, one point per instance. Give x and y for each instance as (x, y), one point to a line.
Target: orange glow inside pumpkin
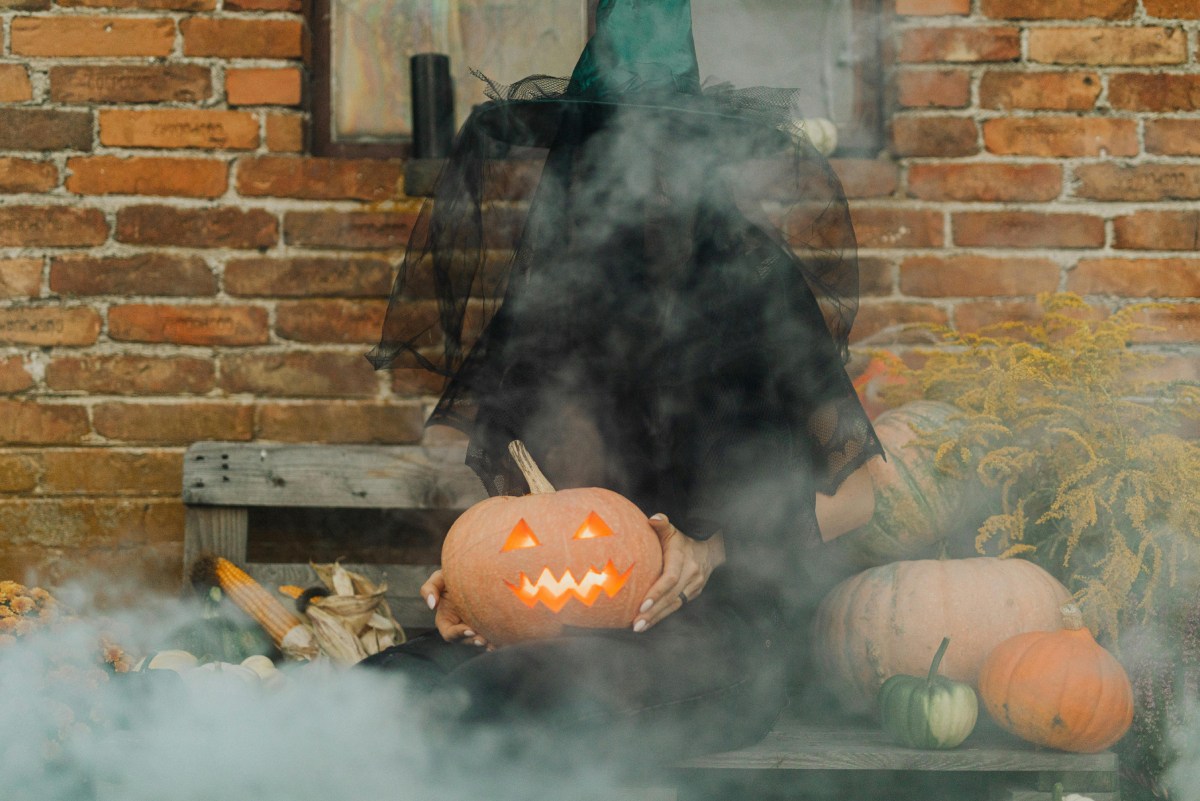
(555, 592)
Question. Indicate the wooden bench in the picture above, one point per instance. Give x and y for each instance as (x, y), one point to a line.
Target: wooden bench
(223, 482)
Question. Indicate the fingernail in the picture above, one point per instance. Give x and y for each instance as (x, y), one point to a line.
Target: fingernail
(468, 633)
(639, 626)
(646, 604)
(659, 516)
(431, 600)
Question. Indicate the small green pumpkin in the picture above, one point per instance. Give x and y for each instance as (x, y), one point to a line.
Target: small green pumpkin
(930, 712)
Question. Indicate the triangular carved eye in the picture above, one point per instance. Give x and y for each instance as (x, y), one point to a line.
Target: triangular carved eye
(521, 537)
(592, 528)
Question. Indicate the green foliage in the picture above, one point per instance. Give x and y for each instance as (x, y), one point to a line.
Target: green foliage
(1097, 482)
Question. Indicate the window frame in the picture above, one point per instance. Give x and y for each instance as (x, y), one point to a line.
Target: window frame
(865, 136)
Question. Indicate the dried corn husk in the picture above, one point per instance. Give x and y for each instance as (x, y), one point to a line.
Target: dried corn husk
(354, 621)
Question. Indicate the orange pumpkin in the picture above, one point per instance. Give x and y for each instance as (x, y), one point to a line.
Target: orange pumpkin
(521, 568)
(889, 620)
(1058, 688)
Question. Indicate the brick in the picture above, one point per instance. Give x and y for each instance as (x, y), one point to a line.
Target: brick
(105, 471)
(1158, 230)
(932, 8)
(999, 183)
(413, 382)
(319, 178)
(46, 326)
(15, 86)
(876, 276)
(970, 275)
(78, 522)
(1055, 91)
(197, 228)
(188, 325)
(25, 5)
(1060, 137)
(92, 36)
(263, 87)
(51, 226)
(1169, 137)
(391, 423)
(45, 129)
(960, 45)
(131, 375)
(30, 423)
(351, 230)
(343, 321)
(193, 128)
(978, 315)
(144, 274)
(25, 175)
(20, 278)
(876, 317)
(285, 133)
(316, 277)
(18, 472)
(170, 177)
(173, 423)
(148, 5)
(290, 6)
(863, 178)
(1108, 46)
(1136, 278)
(299, 375)
(242, 38)
(14, 377)
(1175, 324)
(159, 83)
(933, 88)
(1146, 182)
(897, 227)
(1059, 9)
(934, 136)
(1027, 229)
(1172, 9)
(1154, 92)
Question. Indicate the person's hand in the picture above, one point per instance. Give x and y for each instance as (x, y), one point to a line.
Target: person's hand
(446, 616)
(687, 564)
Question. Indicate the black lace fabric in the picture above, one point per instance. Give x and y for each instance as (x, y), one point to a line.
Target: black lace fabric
(662, 307)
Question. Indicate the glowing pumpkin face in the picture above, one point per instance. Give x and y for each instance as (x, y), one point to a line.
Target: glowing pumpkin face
(521, 568)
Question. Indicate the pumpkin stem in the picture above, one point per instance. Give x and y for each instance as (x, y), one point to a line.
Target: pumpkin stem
(538, 483)
(1072, 617)
(937, 659)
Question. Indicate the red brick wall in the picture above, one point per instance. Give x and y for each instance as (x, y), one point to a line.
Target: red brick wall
(174, 268)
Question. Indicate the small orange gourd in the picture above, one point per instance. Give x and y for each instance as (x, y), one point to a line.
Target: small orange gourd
(1058, 688)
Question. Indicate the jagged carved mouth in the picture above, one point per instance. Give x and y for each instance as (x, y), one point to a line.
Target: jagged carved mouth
(556, 592)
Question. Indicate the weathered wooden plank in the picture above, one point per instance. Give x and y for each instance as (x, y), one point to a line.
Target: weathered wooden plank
(218, 530)
(347, 476)
(815, 745)
(402, 581)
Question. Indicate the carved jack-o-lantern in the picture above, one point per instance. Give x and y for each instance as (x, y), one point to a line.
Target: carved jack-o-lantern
(520, 568)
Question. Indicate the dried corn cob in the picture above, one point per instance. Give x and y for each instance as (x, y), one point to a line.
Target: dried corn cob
(288, 632)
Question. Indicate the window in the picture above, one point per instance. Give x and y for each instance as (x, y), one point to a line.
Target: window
(829, 49)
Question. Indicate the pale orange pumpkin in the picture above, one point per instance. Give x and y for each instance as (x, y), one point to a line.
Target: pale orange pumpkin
(1058, 688)
(889, 620)
(521, 568)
